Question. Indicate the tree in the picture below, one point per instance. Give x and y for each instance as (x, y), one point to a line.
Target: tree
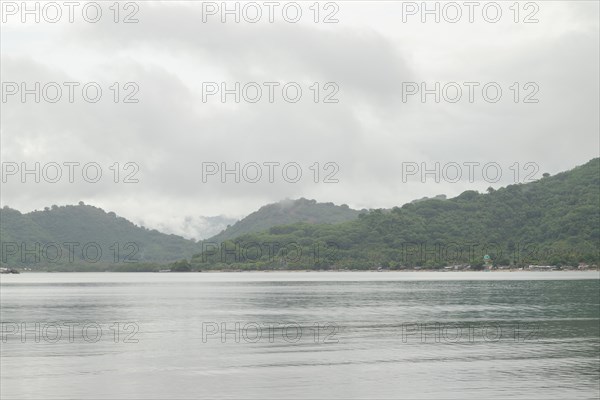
(181, 266)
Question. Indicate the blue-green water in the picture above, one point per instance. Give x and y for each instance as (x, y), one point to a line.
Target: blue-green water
(301, 335)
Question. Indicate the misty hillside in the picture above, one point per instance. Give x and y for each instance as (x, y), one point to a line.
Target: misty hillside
(288, 212)
(85, 233)
(75, 227)
(555, 220)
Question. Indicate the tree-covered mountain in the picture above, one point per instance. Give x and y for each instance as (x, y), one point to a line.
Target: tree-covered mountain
(555, 220)
(83, 234)
(287, 212)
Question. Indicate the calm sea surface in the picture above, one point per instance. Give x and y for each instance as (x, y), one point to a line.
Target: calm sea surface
(301, 335)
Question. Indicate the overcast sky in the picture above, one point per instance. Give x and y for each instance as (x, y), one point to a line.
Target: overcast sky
(374, 137)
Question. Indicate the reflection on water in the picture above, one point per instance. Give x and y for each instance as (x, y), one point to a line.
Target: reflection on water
(301, 335)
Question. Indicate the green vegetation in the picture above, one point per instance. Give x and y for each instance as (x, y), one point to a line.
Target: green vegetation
(84, 237)
(553, 221)
(287, 212)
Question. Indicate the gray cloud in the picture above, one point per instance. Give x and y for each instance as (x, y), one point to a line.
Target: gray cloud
(170, 133)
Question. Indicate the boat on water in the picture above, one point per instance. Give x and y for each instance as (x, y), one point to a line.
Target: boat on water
(8, 271)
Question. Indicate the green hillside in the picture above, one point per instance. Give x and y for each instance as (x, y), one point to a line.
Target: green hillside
(553, 221)
(287, 212)
(83, 235)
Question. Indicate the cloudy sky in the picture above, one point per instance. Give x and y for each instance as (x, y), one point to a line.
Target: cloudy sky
(361, 130)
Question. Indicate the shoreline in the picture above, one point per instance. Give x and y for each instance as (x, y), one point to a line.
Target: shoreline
(313, 270)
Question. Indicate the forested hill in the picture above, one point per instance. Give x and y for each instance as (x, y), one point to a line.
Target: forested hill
(87, 236)
(553, 221)
(72, 235)
(287, 212)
